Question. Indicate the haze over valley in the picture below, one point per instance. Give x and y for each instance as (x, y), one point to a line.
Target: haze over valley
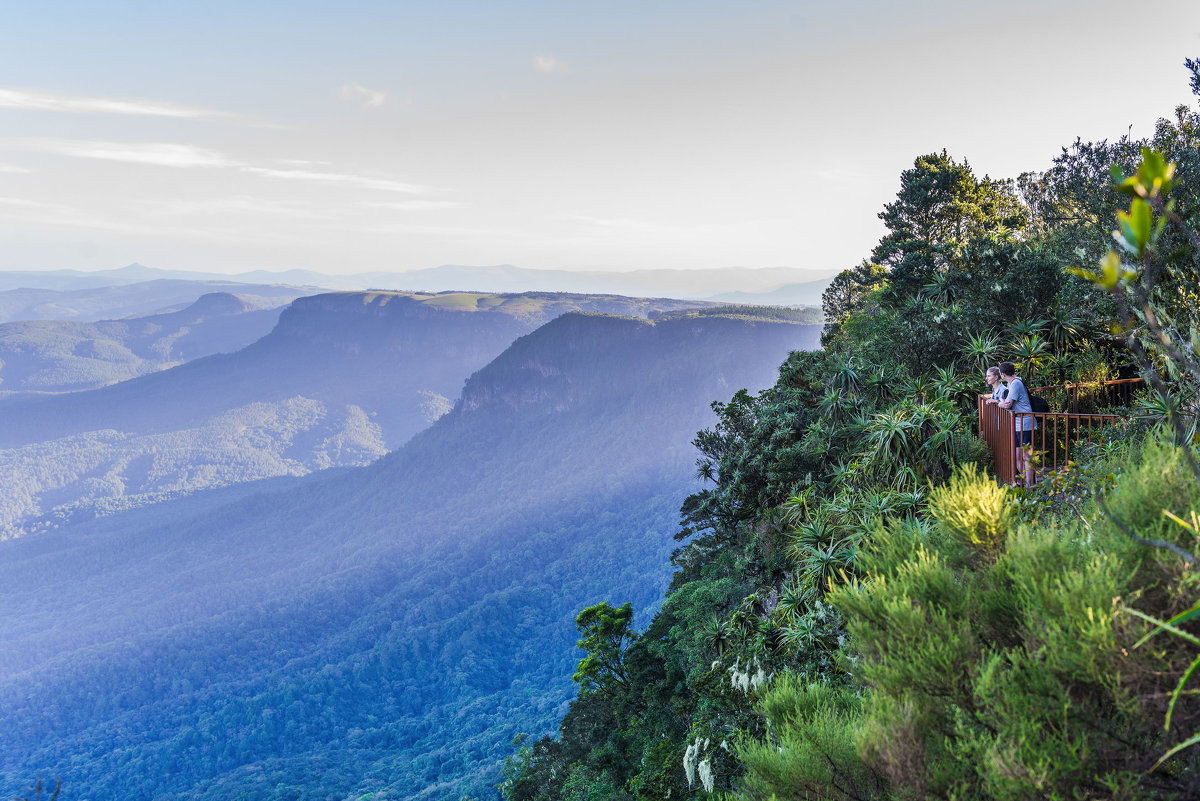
(537, 450)
(529, 401)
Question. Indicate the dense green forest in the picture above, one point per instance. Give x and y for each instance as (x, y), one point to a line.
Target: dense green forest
(859, 611)
(381, 630)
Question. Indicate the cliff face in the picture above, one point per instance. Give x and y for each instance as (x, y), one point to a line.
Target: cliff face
(377, 619)
(341, 379)
(587, 358)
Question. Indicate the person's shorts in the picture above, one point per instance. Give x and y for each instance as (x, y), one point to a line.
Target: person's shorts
(1024, 437)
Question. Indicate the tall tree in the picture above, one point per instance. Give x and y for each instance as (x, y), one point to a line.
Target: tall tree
(606, 632)
(940, 206)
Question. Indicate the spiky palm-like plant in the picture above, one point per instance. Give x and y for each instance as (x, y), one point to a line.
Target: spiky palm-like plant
(716, 633)
(1059, 366)
(1064, 329)
(891, 433)
(939, 289)
(1029, 352)
(1025, 328)
(795, 508)
(814, 534)
(982, 351)
(847, 376)
(879, 385)
(834, 405)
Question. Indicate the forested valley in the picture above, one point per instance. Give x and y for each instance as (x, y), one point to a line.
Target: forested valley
(859, 610)
(383, 630)
(340, 380)
(548, 547)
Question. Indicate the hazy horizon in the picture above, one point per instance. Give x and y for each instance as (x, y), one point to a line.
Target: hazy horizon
(383, 137)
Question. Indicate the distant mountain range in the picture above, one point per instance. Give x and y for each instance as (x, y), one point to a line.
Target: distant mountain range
(379, 630)
(118, 300)
(772, 285)
(64, 355)
(342, 379)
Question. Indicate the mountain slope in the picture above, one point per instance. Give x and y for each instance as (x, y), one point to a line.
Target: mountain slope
(386, 629)
(63, 355)
(342, 379)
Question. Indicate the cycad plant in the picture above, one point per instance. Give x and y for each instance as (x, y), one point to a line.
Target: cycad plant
(1024, 328)
(982, 351)
(1028, 353)
(1065, 328)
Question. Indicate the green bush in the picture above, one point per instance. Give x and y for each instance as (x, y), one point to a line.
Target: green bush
(1011, 678)
(973, 508)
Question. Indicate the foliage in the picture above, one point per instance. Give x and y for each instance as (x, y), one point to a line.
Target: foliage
(972, 508)
(903, 627)
(1002, 679)
(382, 630)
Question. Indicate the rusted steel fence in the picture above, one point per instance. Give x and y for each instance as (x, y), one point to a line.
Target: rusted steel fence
(1090, 397)
(1056, 435)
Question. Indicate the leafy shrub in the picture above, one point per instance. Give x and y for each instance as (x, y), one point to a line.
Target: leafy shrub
(973, 509)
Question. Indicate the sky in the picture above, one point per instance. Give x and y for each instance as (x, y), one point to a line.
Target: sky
(362, 136)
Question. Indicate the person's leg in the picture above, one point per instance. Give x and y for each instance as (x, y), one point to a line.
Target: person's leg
(1024, 464)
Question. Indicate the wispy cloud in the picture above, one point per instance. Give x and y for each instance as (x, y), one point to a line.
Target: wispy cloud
(361, 181)
(162, 154)
(58, 215)
(12, 169)
(413, 205)
(448, 230)
(166, 154)
(612, 222)
(371, 98)
(46, 101)
(237, 204)
(548, 64)
(26, 203)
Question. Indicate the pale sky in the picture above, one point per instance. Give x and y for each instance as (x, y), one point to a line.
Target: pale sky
(358, 136)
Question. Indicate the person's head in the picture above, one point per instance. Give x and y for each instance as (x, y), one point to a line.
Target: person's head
(993, 375)
(1008, 370)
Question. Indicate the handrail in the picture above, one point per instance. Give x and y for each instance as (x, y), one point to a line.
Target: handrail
(1113, 383)
(1055, 435)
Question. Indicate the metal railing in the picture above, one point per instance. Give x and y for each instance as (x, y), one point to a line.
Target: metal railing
(1056, 435)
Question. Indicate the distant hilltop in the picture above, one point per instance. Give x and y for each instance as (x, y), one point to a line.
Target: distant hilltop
(769, 285)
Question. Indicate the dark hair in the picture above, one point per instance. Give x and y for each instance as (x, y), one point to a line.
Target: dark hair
(1008, 368)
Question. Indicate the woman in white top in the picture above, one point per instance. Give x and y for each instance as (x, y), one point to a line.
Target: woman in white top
(993, 380)
(1018, 401)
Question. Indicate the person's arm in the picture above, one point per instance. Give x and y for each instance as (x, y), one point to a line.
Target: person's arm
(1013, 394)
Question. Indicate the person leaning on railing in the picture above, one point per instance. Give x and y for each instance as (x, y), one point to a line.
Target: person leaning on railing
(999, 392)
(1018, 401)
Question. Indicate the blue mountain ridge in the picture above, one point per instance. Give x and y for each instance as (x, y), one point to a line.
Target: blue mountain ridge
(385, 629)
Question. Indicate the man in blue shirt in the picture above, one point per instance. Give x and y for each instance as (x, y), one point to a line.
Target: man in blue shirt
(1018, 401)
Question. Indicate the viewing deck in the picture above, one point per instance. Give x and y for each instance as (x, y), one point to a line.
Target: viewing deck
(1057, 435)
